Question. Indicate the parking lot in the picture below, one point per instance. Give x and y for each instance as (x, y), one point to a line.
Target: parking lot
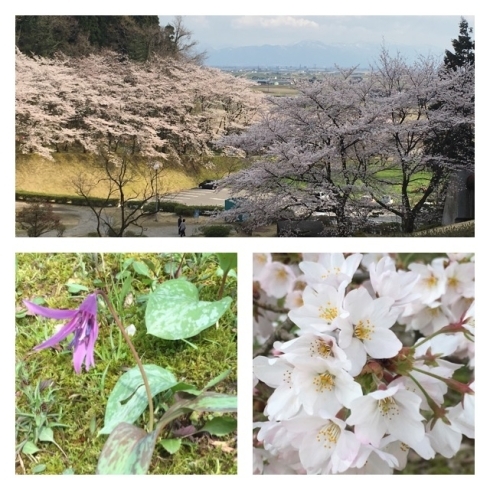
(196, 197)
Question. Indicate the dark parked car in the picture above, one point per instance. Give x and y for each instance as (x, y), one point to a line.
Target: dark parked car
(208, 184)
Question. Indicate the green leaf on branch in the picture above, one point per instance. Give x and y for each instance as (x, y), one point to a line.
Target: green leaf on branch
(128, 399)
(220, 426)
(127, 451)
(174, 311)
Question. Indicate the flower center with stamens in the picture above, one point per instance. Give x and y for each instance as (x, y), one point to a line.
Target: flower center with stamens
(453, 282)
(320, 348)
(388, 407)
(334, 271)
(363, 330)
(261, 258)
(330, 434)
(431, 281)
(328, 312)
(325, 381)
(281, 274)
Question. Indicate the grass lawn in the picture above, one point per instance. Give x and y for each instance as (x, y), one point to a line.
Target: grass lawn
(60, 412)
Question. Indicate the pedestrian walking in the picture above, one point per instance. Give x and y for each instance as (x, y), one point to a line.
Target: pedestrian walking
(179, 221)
(182, 228)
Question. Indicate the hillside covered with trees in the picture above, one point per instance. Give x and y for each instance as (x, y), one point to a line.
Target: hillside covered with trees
(138, 37)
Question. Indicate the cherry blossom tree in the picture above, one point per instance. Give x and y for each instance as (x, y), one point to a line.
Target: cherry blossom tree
(129, 115)
(163, 108)
(407, 96)
(343, 139)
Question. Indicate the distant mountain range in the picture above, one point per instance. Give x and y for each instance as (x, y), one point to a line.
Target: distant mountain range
(311, 54)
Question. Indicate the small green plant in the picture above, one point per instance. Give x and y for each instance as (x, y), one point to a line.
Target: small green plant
(35, 424)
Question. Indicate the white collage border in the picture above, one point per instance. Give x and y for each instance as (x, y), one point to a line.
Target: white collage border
(243, 246)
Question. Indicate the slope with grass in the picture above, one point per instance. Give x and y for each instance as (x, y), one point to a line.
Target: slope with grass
(34, 173)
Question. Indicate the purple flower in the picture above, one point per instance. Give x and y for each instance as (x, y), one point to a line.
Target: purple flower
(82, 323)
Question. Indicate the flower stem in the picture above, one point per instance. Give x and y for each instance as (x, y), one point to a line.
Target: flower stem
(451, 383)
(222, 286)
(432, 404)
(135, 355)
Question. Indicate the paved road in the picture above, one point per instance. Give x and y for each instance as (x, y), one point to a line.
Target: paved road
(196, 197)
(80, 220)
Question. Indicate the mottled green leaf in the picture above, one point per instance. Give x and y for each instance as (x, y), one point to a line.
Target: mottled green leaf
(39, 468)
(175, 312)
(213, 402)
(128, 399)
(220, 426)
(127, 451)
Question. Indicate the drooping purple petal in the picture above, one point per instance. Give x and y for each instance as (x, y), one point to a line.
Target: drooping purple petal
(49, 312)
(79, 352)
(69, 328)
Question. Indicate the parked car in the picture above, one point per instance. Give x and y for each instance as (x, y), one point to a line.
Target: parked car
(208, 184)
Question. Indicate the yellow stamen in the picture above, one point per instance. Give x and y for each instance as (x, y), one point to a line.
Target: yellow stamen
(363, 330)
(325, 381)
(328, 312)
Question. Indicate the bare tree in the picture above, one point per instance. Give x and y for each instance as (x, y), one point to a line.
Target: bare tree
(133, 185)
(178, 42)
(38, 218)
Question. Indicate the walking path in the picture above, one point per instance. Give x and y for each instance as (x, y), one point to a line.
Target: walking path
(80, 221)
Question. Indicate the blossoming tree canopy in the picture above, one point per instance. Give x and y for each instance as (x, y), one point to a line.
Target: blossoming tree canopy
(360, 353)
(349, 140)
(159, 108)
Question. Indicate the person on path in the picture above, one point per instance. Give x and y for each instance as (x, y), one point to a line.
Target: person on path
(179, 221)
(182, 228)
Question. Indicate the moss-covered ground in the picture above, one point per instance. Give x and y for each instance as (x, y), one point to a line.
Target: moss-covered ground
(61, 413)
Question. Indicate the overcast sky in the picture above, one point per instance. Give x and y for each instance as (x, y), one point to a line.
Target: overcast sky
(215, 31)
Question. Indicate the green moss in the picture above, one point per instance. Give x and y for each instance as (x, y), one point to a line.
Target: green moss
(80, 400)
